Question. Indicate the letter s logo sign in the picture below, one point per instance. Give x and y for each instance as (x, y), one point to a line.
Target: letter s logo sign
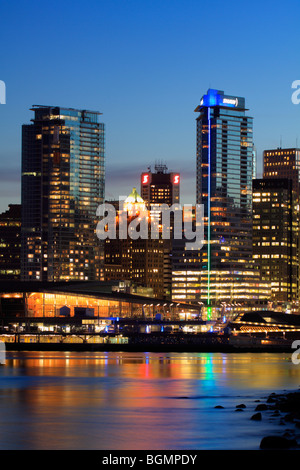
(176, 179)
(296, 94)
(295, 359)
(145, 179)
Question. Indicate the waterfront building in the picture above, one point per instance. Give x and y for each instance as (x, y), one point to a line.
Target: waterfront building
(62, 186)
(275, 237)
(266, 325)
(230, 292)
(81, 300)
(10, 243)
(225, 154)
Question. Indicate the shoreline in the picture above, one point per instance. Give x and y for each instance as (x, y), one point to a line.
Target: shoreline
(139, 348)
(284, 407)
(145, 342)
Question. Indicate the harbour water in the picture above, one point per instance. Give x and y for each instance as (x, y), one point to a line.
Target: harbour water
(140, 401)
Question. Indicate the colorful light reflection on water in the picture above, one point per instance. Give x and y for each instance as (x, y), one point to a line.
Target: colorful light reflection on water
(138, 400)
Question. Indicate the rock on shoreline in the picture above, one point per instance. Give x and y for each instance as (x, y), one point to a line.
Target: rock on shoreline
(287, 403)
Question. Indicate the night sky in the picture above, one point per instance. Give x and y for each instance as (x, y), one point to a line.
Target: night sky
(145, 65)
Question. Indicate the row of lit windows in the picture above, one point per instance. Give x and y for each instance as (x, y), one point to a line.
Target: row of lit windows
(273, 153)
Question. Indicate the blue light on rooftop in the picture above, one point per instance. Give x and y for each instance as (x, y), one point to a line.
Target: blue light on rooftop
(212, 98)
(217, 98)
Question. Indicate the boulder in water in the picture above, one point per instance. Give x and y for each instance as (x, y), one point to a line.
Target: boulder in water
(256, 417)
(261, 407)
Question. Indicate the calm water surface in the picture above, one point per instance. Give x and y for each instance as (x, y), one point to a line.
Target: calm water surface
(148, 401)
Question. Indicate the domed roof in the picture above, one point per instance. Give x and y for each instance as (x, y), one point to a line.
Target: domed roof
(134, 198)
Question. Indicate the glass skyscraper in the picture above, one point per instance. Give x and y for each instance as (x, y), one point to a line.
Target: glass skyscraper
(224, 186)
(62, 186)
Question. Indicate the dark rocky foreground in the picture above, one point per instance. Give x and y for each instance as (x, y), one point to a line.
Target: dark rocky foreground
(284, 411)
(285, 408)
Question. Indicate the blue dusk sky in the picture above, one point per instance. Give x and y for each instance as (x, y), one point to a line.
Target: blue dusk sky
(145, 65)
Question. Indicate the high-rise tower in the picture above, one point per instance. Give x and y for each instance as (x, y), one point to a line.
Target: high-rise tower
(275, 236)
(224, 186)
(10, 243)
(62, 186)
(140, 260)
(276, 230)
(160, 186)
(283, 163)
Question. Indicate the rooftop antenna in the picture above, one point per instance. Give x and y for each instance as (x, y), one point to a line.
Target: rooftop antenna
(160, 167)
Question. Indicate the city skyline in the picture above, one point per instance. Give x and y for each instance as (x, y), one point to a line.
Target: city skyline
(149, 227)
(148, 80)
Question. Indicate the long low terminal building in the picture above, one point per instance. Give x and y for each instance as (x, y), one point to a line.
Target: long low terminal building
(73, 302)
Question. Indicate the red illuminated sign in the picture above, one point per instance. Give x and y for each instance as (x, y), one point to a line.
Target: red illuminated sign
(176, 179)
(145, 179)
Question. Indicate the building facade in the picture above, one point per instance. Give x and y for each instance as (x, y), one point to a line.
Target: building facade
(275, 236)
(230, 291)
(10, 243)
(280, 185)
(225, 154)
(136, 259)
(62, 186)
(160, 186)
(283, 163)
